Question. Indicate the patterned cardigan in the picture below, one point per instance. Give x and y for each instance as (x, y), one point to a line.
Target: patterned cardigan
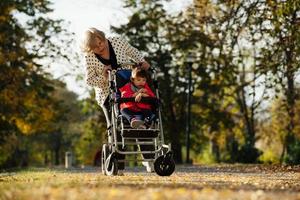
(95, 69)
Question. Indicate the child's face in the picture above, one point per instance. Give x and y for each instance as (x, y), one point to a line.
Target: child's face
(139, 82)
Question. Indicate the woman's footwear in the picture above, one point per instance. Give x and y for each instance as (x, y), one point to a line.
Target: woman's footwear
(120, 172)
(149, 166)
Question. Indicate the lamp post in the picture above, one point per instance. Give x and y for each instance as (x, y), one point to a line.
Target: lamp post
(190, 61)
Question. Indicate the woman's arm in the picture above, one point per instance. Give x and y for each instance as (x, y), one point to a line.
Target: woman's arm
(93, 78)
(132, 52)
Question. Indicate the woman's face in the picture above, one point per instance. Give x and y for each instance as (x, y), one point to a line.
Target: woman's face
(139, 82)
(100, 46)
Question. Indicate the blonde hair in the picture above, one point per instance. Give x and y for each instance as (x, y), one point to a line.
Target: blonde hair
(89, 41)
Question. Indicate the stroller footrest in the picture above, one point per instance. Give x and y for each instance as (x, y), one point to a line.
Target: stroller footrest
(140, 133)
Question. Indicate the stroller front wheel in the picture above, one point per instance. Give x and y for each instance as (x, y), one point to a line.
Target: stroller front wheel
(111, 165)
(164, 165)
(105, 152)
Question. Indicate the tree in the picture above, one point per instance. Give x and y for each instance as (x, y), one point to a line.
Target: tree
(283, 56)
(273, 132)
(93, 132)
(24, 86)
(246, 51)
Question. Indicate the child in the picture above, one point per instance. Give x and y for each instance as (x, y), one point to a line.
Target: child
(136, 112)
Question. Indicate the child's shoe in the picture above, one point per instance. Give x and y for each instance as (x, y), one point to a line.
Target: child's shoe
(142, 127)
(136, 123)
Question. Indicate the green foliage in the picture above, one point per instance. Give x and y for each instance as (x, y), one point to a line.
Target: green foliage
(27, 107)
(274, 135)
(293, 154)
(269, 157)
(248, 154)
(285, 55)
(93, 133)
(206, 156)
(48, 138)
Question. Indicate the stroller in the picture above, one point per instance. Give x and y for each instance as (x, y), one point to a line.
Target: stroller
(121, 135)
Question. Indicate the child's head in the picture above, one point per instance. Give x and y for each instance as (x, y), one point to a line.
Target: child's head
(138, 77)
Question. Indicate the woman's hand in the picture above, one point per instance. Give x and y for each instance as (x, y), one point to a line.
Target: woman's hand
(106, 69)
(145, 65)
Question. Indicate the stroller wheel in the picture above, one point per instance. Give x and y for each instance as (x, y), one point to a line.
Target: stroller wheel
(164, 165)
(105, 152)
(111, 165)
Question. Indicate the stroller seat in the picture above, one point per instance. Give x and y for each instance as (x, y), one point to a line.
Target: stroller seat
(122, 78)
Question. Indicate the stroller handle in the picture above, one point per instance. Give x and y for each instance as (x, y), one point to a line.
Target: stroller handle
(133, 64)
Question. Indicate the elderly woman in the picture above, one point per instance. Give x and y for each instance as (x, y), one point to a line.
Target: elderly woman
(102, 54)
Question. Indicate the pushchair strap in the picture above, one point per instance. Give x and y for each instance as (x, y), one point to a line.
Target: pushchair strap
(150, 100)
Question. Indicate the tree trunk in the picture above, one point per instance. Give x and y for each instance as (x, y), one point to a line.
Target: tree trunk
(46, 159)
(176, 146)
(174, 133)
(57, 157)
(214, 148)
(248, 117)
(283, 152)
(290, 94)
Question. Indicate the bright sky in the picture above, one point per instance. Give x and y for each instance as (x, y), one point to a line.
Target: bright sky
(101, 14)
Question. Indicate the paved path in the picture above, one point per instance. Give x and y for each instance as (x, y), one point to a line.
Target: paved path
(253, 182)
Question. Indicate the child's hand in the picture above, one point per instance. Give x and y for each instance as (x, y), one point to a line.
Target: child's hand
(138, 97)
(142, 90)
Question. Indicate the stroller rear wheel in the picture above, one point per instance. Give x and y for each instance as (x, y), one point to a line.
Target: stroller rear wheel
(164, 165)
(104, 155)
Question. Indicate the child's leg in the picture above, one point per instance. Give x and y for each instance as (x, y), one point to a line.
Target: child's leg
(149, 116)
(138, 116)
(137, 121)
(134, 118)
(127, 114)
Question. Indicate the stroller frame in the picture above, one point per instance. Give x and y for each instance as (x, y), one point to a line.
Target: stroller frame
(164, 164)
